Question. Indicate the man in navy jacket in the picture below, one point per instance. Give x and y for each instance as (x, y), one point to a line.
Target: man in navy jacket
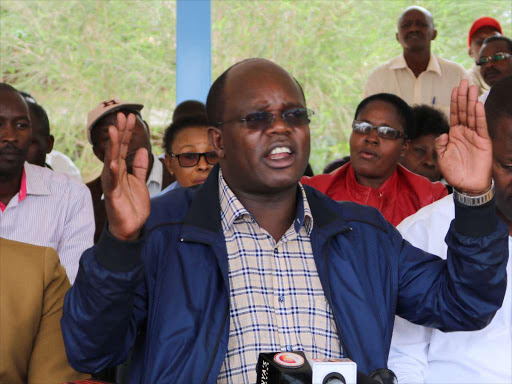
(163, 285)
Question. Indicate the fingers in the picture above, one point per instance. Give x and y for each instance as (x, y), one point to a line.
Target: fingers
(480, 121)
(141, 164)
(462, 102)
(454, 113)
(472, 100)
(110, 174)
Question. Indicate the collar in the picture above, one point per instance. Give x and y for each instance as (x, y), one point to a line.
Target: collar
(156, 174)
(37, 184)
(400, 63)
(232, 211)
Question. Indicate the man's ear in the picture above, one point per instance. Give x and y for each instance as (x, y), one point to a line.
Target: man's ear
(396, 37)
(434, 35)
(216, 136)
(405, 147)
(470, 52)
(51, 141)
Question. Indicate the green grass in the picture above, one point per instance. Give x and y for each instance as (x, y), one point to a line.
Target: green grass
(72, 54)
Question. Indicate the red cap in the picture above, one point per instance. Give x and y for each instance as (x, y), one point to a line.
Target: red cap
(483, 22)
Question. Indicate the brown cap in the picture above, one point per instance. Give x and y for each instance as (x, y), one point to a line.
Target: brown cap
(106, 107)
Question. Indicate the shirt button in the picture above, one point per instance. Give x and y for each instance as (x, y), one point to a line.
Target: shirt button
(275, 250)
(289, 348)
(281, 299)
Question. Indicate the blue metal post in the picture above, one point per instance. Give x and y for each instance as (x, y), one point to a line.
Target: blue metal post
(193, 50)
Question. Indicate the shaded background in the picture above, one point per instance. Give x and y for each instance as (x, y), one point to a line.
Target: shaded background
(70, 55)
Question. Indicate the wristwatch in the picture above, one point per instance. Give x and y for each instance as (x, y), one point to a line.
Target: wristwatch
(474, 201)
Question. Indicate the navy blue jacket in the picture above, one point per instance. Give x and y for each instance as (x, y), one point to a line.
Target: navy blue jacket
(167, 294)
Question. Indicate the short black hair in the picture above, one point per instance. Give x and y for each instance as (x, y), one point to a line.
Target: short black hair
(498, 104)
(179, 125)
(428, 121)
(335, 164)
(188, 109)
(39, 111)
(215, 102)
(8, 87)
(490, 39)
(402, 108)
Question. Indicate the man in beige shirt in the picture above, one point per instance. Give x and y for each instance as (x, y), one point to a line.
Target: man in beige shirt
(417, 76)
(481, 29)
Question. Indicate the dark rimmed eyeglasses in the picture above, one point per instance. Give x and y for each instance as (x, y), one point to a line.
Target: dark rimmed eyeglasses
(383, 131)
(191, 159)
(295, 118)
(496, 57)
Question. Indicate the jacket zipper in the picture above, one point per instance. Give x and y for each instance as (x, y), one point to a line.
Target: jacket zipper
(207, 373)
(346, 351)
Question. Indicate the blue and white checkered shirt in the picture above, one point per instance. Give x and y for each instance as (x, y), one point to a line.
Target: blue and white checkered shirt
(276, 299)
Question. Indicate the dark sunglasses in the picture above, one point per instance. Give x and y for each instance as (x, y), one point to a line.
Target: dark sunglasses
(295, 118)
(383, 131)
(496, 57)
(191, 159)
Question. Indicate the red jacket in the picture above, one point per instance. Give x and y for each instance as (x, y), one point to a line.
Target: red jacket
(398, 197)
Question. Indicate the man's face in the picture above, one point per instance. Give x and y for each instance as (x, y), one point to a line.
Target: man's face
(140, 138)
(502, 166)
(261, 161)
(494, 71)
(15, 133)
(372, 156)
(41, 143)
(415, 30)
(421, 157)
(478, 39)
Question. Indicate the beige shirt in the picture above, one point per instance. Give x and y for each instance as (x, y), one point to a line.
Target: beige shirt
(476, 78)
(432, 87)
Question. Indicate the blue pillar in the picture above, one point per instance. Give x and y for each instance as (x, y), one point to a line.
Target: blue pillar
(193, 50)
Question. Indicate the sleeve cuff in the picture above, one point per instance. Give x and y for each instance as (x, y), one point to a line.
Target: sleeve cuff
(119, 255)
(475, 221)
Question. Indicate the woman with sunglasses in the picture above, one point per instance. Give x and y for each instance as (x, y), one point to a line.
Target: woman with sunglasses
(373, 176)
(188, 153)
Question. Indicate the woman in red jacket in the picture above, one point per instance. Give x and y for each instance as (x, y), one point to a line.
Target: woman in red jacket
(373, 176)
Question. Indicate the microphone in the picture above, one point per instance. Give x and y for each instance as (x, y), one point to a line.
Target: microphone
(296, 368)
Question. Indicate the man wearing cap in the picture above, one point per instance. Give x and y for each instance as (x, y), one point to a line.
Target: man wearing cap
(39, 206)
(417, 76)
(98, 121)
(481, 29)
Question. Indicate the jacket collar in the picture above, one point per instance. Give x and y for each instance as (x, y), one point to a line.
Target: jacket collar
(204, 212)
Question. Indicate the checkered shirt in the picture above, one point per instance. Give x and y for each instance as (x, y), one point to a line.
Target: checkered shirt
(276, 299)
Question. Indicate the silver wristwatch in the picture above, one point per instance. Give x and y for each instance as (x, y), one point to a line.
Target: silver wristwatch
(474, 201)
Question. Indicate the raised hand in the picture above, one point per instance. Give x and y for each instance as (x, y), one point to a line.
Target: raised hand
(126, 195)
(465, 154)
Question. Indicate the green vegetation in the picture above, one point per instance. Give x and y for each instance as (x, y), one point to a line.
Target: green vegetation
(72, 54)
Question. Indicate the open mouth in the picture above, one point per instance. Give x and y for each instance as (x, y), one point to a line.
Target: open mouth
(368, 155)
(280, 157)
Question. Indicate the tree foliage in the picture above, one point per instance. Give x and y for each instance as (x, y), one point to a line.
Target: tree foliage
(70, 55)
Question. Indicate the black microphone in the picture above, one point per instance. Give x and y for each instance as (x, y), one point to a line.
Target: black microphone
(296, 368)
(384, 376)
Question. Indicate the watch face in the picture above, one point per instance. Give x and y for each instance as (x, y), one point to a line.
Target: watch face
(289, 359)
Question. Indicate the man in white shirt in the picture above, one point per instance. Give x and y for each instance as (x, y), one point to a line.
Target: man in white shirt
(39, 206)
(425, 355)
(98, 122)
(417, 76)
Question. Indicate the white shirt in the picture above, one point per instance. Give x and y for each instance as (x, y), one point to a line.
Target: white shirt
(56, 212)
(483, 97)
(63, 164)
(425, 355)
(432, 87)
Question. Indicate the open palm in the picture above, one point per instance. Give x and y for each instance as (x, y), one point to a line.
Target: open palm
(465, 154)
(126, 195)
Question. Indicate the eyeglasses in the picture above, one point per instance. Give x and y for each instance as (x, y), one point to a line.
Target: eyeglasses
(496, 57)
(191, 159)
(295, 118)
(383, 131)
